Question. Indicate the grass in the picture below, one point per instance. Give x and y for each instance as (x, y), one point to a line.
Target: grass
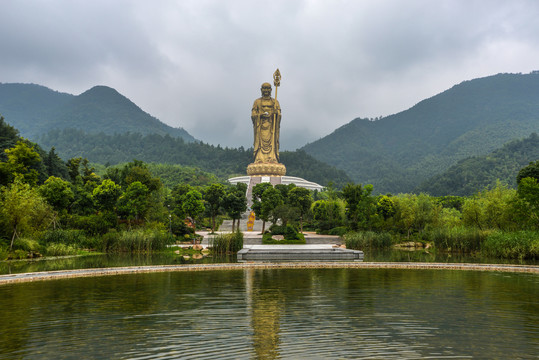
(512, 245)
(227, 243)
(368, 240)
(457, 239)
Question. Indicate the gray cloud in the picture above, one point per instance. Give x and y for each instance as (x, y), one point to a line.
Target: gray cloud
(199, 64)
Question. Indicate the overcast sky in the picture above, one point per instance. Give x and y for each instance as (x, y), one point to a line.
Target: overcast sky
(199, 64)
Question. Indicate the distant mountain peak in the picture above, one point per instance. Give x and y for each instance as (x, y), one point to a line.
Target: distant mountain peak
(35, 110)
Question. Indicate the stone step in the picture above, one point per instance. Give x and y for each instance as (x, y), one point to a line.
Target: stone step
(297, 253)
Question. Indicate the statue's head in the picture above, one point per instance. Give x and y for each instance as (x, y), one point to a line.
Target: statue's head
(266, 90)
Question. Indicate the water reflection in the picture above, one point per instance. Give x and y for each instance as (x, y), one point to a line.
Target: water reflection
(274, 314)
(116, 260)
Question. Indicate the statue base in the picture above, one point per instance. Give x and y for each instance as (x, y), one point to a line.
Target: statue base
(266, 169)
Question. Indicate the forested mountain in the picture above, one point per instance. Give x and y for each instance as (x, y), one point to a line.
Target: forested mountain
(154, 148)
(399, 152)
(473, 174)
(35, 110)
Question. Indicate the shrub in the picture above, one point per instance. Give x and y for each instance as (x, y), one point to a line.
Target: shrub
(94, 225)
(26, 244)
(18, 254)
(59, 249)
(288, 231)
(60, 236)
(137, 240)
(512, 245)
(3, 252)
(227, 243)
(457, 239)
(267, 239)
(340, 231)
(368, 240)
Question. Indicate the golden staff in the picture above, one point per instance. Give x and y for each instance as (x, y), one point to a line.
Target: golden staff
(277, 83)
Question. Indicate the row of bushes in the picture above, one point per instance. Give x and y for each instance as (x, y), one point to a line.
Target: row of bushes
(367, 240)
(71, 242)
(499, 244)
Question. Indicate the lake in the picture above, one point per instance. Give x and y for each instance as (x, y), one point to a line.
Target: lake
(274, 314)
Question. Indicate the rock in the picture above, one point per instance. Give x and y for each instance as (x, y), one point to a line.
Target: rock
(197, 256)
(198, 247)
(186, 257)
(177, 252)
(278, 237)
(343, 246)
(335, 246)
(206, 252)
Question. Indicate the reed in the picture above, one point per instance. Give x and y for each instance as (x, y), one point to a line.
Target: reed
(457, 239)
(227, 243)
(368, 240)
(512, 245)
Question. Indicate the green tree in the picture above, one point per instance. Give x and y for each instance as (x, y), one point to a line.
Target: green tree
(178, 197)
(235, 202)
(57, 193)
(257, 192)
(192, 204)
(528, 200)
(532, 170)
(73, 168)
(8, 137)
(490, 209)
(213, 195)
(23, 209)
(301, 199)
(21, 161)
(360, 205)
(271, 199)
(385, 207)
(134, 202)
(328, 214)
(106, 195)
(55, 166)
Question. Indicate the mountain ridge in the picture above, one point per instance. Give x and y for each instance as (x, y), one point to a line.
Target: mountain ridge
(398, 152)
(35, 110)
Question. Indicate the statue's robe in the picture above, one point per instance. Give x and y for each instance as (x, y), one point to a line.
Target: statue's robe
(266, 117)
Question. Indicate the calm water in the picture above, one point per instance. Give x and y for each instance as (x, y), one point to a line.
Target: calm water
(274, 314)
(115, 260)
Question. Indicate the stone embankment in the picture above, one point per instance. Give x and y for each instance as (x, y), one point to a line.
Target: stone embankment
(55, 275)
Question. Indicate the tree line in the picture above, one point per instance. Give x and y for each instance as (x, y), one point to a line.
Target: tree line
(56, 207)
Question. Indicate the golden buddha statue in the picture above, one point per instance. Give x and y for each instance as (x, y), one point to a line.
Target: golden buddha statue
(266, 117)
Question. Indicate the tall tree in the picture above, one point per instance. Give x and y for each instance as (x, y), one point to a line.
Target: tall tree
(106, 195)
(235, 202)
(23, 209)
(192, 204)
(301, 199)
(134, 202)
(271, 199)
(57, 193)
(22, 160)
(213, 195)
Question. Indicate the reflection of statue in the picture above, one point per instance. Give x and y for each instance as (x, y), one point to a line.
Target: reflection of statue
(266, 116)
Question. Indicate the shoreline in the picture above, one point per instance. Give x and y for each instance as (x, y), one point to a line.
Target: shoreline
(66, 274)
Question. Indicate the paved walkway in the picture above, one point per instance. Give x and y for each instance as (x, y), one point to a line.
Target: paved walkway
(255, 237)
